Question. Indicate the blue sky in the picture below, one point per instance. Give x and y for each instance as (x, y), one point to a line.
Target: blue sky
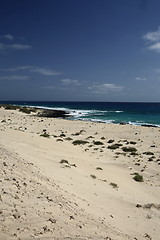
(80, 50)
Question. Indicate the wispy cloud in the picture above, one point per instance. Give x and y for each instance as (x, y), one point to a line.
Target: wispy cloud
(155, 47)
(44, 71)
(14, 77)
(140, 78)
(106, 87)
(153, 39)
(14, 46)
(16, 69)
(7, 36)
(157, 70)
(153, 36)
(34, 69)
(70, 82)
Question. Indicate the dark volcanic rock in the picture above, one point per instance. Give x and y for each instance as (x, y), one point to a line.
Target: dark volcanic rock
(53, 114)
(149, 125)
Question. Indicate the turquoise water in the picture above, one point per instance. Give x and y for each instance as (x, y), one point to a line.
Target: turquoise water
(108, 112)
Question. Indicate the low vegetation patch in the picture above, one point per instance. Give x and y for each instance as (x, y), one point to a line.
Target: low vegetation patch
(95, 149)
(138, 177)
(114, 185)
(151, 158)
(133, 153)
(78, 133)
(132, 142)
(62, 135)
(129, 149)
(99, 168)
(45, 135)
(79, 142)
(64, 161)
(59, 140)
(98, 143)
(93, 176)
(150, 205)
(67, 164)
(10, 107)
(103, 138)
(89, 137)
(148, 153)
(115, 146)
(3, 121)
(110, 141)
(25, 110)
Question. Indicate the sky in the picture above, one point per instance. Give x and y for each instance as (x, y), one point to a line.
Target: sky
(80, 50)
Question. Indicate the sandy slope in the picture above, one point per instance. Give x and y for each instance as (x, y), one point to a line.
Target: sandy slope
(45, 199)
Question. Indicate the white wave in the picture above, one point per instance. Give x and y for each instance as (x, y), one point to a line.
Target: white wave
(82, 113)
(96, 120)
(102, 121)
(77, 112)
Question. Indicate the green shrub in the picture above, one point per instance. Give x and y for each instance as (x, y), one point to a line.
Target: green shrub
(62, 135)
(133, 153)
(78, 133)
(10, 107)
(98, 143)
(114, 185)
(102, 138)
(129, 149)
(45, 135)
(99, 168)
(93, 176)
(59, 140)
(78, 142)
(64, 161)
(148, 153)
(132, 142)
(3, 121)
(25, 110)
(110, 141)
(115, 146)
(138, 177)
(89, 137)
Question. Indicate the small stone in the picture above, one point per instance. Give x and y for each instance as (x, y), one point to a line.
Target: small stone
(52, 220)
(16, 196)
(16, 215)
(138, 205)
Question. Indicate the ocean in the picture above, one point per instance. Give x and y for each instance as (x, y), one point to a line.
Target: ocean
(107, 112)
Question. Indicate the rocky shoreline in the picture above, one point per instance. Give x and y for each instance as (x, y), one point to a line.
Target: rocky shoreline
(48, 113)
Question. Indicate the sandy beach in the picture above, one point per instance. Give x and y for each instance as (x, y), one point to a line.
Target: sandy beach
(64, 179)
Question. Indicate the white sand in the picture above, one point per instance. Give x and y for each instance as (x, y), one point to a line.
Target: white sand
(42, 198)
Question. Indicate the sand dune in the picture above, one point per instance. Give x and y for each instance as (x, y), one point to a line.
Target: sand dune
(64, 179)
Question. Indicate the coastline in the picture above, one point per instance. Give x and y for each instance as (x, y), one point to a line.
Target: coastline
(94, 195)
(92, 114)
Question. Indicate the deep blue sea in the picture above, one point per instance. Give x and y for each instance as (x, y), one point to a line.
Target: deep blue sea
(108, 112)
